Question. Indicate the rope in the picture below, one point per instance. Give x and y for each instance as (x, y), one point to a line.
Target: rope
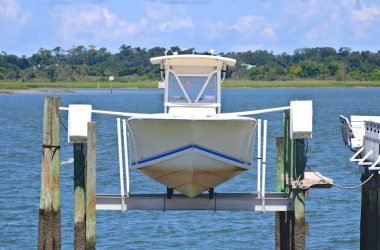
(357, 186)
(63, 125)
(341, 186)
(306, 143)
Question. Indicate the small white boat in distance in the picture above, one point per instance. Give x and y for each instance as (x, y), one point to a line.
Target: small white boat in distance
(191, 147)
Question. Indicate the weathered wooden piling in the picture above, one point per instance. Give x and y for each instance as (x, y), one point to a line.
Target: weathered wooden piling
(91, 187)
(79, 195)
(291, 227)
(370, 212)
(85, 190)
(49, 227)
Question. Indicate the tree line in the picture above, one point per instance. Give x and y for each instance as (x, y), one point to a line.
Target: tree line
(81, 63)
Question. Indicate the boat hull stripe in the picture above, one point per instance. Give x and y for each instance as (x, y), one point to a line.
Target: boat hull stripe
(187, 147)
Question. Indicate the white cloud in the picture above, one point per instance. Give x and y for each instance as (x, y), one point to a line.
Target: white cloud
(330, 22)
(366, 14)
(253, 27)
(157, 10)
(247, 23)
(176, 24)
(94, 21)
(10, 10)
(329, 27)
(169, 17)
(268, 33)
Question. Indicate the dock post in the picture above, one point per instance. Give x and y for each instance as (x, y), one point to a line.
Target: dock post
(49, 226)
(290, 227)
(79, 195)
(300, 226)
(91, 187)
(280, 242)
(370, 212)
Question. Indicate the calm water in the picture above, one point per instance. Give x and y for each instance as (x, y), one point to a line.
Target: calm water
(333, 214)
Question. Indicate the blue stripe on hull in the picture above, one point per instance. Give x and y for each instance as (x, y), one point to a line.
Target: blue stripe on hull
(190, 146)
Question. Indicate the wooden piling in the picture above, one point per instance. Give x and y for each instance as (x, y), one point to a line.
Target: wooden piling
(49, 226)
(79, 196)
(291, 227)
(280, 187)
(299, 161)
(370, 212)
(280, 171)
(91, 187)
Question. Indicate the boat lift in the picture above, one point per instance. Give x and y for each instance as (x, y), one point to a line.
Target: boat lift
(362, 136)
(261, 200)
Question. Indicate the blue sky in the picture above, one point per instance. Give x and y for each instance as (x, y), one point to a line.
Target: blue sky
(224, 25)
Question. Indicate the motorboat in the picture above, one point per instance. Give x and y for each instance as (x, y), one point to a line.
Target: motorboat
(192, 147)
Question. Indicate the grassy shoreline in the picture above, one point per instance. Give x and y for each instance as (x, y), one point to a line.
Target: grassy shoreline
(153, 84)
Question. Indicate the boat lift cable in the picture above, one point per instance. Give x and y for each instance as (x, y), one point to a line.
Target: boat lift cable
(322, 179)
(342, 186)
(357, 186)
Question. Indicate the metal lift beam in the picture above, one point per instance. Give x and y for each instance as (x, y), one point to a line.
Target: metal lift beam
(220, 201)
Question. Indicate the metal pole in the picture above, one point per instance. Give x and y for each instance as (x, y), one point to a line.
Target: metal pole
(126, 156)
(264, 163)
(258, 157)
(120, 164)
(259, 111)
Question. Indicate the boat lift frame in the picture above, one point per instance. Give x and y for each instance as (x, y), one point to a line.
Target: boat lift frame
(256, 201)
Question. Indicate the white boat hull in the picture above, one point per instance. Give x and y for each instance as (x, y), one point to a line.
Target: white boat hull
(191, 155)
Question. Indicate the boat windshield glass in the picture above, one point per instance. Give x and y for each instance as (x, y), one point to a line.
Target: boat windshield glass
(198, 88)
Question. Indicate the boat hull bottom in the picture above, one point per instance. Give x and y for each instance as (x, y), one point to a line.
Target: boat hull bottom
(191, 173)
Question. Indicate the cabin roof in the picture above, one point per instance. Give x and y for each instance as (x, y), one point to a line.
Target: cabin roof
(189, 60)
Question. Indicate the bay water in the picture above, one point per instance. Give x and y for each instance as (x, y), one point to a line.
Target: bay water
(333, 215)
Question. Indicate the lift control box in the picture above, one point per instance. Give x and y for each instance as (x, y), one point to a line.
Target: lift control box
(79, 116)
(301, 119)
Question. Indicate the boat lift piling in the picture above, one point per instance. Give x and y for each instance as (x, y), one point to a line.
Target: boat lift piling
(49, 226)
(290, 227)
(362, 135)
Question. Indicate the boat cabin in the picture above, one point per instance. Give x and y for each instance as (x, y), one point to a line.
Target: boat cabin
(193, 83)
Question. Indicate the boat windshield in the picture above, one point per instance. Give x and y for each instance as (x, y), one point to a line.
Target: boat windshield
(192, 88)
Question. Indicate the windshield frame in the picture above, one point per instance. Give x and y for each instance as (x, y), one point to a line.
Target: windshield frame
(185, 93)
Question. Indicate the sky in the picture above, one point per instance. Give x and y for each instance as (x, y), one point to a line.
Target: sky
(223, 25)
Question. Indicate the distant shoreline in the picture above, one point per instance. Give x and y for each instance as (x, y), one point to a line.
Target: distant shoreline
(31, 91)
(9, 87)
